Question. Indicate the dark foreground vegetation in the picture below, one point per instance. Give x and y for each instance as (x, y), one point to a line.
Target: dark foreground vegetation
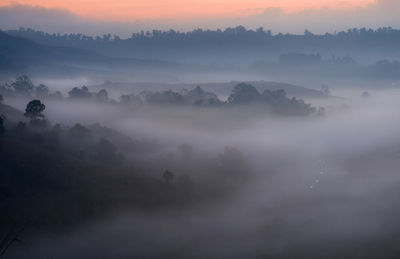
(58, 175)
(55, 177)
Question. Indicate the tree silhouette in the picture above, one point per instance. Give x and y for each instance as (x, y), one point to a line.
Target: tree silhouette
(34, 109)
(80, 93)
(102, 95)
(244, 94)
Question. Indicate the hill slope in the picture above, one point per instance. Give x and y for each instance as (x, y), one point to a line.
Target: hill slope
(20, 55)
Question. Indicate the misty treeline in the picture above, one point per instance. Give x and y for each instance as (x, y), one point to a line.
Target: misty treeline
(273, 101)
(56, 175)
(382, 38)
(353, 54)
(237, 46)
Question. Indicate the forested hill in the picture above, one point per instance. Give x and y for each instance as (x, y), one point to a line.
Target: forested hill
(155, 43)
(22, 55)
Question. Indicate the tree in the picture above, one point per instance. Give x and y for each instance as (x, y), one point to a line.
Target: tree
(199, 97)
(102, 95)
(34, 109)
(42, 90)
(23, 85)
(168, 176)
(308, 33)
(244, 94)
(82, 93)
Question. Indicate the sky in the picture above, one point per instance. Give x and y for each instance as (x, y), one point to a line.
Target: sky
(128, 10)
(123, 17)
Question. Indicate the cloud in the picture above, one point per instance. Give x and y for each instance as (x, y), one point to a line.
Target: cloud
(378, 14)
(58, 21)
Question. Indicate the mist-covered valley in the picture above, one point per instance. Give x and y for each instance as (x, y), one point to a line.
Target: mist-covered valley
(227, 143)
(187, 173)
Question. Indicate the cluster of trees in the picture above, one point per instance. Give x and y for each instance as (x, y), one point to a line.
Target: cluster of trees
(23, 86)
(242, 94)
(195, 97)
(84, 93)
(276, 101)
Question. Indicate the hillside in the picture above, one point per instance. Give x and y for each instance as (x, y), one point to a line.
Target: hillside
(18, 54)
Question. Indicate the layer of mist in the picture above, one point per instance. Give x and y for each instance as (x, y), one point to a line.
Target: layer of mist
(180, 180)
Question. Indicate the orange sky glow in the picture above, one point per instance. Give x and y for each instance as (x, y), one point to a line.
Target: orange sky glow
(130, 10)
